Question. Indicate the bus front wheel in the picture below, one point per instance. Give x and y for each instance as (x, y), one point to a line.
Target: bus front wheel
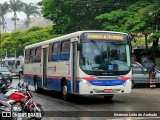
(65, 94)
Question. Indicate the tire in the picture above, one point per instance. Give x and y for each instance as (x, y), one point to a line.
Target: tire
(37, 89)
(133, 85)
(108, 97)
(20, 75)
(11, 80)
(34, 110)
(65, 94)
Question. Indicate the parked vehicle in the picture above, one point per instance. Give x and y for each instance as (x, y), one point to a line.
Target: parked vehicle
(7, 75)
(140, 75)
(21, 101)
(5, 85)
(14, 65)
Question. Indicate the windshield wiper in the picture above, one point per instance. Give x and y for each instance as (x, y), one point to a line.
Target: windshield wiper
(95, 44)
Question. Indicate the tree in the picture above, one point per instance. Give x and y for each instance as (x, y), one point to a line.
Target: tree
(4, 9)
(16, 6)
(141, 18)
(16, 41)
(73, 15)
(30, 9)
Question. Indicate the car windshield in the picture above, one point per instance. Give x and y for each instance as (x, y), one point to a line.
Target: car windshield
(104, 56)
(4, 69)
(8, 62)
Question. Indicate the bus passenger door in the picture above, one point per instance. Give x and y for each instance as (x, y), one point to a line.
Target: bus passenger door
(44, 71)
(73, 67)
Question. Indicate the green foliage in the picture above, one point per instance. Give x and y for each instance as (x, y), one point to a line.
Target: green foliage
(141, 17)
(18, 40)
(34, 28)
(73, 15)
(114, 20)
(154, 36)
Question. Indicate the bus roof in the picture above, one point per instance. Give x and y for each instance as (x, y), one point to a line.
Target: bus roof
(67, 36)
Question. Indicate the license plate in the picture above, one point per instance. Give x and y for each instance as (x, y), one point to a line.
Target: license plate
(108, 90)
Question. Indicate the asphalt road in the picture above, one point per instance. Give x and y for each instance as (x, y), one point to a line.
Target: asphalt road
(122, 107)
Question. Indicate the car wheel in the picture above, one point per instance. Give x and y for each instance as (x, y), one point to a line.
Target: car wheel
(20, 75)
(133, 85)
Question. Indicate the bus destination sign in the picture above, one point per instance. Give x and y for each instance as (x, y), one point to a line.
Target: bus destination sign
(104, 36)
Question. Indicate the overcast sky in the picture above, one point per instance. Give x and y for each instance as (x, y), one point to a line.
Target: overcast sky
(20, 15)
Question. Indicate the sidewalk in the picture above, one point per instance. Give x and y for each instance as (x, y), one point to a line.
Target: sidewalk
(147, 93)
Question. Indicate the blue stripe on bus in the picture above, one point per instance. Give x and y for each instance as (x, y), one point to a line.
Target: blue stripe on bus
(52, 83)
(55, 83)
(107, 82)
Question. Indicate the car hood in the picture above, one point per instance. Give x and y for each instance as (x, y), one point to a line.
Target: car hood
(4, 73)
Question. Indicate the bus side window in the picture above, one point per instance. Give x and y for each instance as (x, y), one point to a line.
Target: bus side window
(55, 51)
(37, 54)
(27, 54)
(50, 52)
(65, 50)
(32, 55)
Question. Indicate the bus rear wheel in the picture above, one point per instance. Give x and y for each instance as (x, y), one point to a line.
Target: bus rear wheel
(37, 89)
(65, 94)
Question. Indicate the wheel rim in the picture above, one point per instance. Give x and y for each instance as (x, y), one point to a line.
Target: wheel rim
(65, 90)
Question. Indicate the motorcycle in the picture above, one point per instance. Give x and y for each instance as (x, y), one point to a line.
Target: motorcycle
(22, 101)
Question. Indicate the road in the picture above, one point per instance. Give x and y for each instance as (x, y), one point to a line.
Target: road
(142, 100)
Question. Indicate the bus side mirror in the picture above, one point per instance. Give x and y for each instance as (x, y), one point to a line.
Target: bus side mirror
(79, 47)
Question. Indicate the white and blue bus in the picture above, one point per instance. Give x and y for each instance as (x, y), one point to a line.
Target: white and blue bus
(83, 63)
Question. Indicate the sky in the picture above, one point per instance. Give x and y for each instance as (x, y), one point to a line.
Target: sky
(20, 15)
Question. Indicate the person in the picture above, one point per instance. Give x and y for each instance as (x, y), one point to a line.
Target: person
(152, 78)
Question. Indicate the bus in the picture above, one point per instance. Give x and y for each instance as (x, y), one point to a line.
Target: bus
(82, 63)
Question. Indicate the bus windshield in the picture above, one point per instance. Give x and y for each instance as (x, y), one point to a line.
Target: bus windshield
(101, 55)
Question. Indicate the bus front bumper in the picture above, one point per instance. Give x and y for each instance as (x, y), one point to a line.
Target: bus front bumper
(85, 88)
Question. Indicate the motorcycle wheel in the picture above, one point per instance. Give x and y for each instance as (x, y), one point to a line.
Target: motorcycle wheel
(34, 110)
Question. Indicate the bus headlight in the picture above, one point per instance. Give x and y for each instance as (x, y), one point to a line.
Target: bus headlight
(127, 81)
(84, 81)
